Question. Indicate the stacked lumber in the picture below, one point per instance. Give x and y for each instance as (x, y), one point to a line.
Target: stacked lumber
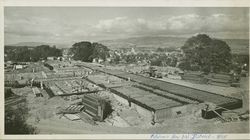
(94, 106)
(72, 109)
(194, 76)
(219, 79)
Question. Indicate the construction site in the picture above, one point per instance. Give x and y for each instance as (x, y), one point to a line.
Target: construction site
(79, 97)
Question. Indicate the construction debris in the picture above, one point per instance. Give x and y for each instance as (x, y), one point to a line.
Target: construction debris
(196, 77)
(37, 92)
(72, 109)
(72, 117)
(219, 79)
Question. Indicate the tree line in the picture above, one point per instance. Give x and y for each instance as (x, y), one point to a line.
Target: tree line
(199, 53)
(27, 54)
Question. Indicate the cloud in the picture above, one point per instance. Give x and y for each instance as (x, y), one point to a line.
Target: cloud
(47, 29)
(29, 26)
(121, 25)
(182, 24)
(50, 29)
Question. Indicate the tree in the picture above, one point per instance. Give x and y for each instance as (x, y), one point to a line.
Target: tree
(155, 62)
(15, 121)
(184, 65)
(7, 93)
(240, 61)
(160, 49)
(82, 51)
(206, 54)
(19, 54)
(44, 51)
(85, 51)
(100, 51)
(131, 58)
(24, 54)
(173, 62)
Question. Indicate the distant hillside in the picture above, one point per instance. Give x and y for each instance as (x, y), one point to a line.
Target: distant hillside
(237, 45)
(240, 46)
(151, 42)
(34, 44)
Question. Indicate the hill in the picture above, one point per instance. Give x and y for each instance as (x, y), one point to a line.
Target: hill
(145, 42)
(34, 44)
(239, 46)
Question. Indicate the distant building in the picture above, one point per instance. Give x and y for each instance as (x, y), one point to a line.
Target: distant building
(108, 59)
(100, 60)
(50, 58)
(61, 58)
(133, 51)
(65, 53)
(9, 62)
(94, 60)
(97, 60)
(17, 67)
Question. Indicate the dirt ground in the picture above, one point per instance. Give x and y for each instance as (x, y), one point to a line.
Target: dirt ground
(54, 125)
(125, 120)
(43, 117)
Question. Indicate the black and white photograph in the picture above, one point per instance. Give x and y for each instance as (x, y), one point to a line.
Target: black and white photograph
(126, 70)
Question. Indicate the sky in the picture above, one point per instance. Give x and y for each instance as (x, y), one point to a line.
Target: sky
(71, 24)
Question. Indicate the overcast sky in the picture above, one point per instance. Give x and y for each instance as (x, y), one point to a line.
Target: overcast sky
(64, 24)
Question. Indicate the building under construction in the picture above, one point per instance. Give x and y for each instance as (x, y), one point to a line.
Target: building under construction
(159, 100)
(154, 99)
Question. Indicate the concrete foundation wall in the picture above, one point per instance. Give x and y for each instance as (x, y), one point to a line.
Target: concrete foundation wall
(174, 112)
(181, 110)
(142, 111)
(162, 114)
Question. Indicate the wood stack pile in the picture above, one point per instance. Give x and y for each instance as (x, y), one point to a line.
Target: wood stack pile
(94, 106)
(72, 109)
(219, 79)
(194, 76)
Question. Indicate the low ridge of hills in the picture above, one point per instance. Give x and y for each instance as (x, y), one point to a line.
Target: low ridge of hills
(34, 44)
(239, 46)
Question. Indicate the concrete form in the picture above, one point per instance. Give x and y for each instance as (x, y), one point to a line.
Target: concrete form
(151, 106)
(180, 90)
(175, 100)
(153, 99)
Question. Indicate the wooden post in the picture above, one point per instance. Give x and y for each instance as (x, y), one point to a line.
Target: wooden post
(41, 84)
(219, 115)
